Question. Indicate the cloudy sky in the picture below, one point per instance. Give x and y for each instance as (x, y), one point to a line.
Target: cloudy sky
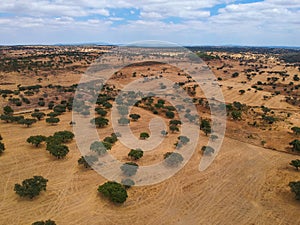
(186, 22)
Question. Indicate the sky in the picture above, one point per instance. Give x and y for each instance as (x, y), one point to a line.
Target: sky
(184, 22)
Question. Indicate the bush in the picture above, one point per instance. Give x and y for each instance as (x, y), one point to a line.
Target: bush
(31, 187)
(114, 191)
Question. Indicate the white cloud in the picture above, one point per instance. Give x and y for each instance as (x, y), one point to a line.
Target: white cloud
(270, 21)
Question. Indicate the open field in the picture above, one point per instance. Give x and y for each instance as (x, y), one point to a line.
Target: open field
(247, 183)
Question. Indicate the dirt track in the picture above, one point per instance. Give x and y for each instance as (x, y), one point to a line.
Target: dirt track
(244, 185)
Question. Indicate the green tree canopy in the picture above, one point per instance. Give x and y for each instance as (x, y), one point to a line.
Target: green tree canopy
(295, 188)
(295, 145)
(144, 135)
(57, 150)
(7, 110)
(100, 122)
(134, 117)
(64, 136)
(170, 114)
(31, 187)
(38, 115)
(47, 222)
(175, 122)
(295, 163)
(296, 130)
(36, 140)
(27, 122)
(136, 153)
(114, 191)
(101, 112)
(52, 120)
(2, 148)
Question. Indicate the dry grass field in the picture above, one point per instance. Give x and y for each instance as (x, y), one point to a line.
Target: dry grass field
(247, 183)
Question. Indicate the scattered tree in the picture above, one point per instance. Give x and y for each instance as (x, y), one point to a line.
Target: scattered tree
(129, 169)
(295, 163)
(7, 110)
(123, 121)
(87, 160)
(127, 183)
(101, 112)
(236, 115)
(173, 128)
(214, 137)
(175, 122)
(52, 120)
(36, 140)
(295, 187)
(100, 122)
(183, 139)
(242, 92)
(144, 135)
(173, 159)
(136, 154)
(57, 150)
(47, 222)
(64, 136)
(27, 122)
(114, 191)
(38, 115)
(208, 150)
(2, 148)
(170, 114)
(164, 133)
(296, 130)
(295, 145)
(31, 187)
(100, 147)
(134, 117)
(205, 126)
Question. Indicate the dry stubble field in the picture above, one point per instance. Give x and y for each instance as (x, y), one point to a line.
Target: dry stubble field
(246, 184)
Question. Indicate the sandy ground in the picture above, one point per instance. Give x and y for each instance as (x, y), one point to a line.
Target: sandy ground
(244, 185)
